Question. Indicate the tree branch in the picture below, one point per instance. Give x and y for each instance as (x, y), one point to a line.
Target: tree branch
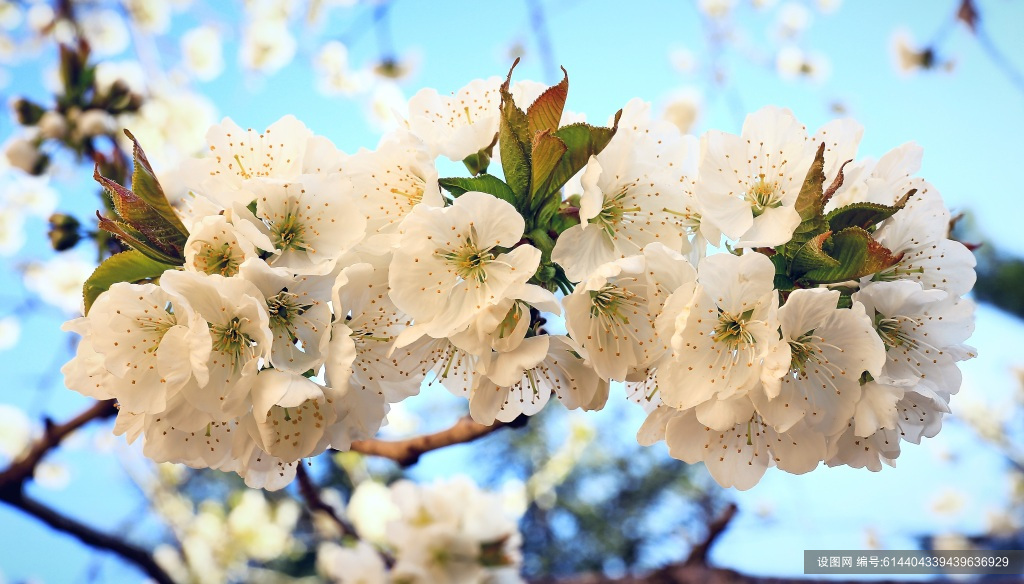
(22, 469)
(408, 452)
(311, 494)
(86, 534)
(699, 553)
(12, 483)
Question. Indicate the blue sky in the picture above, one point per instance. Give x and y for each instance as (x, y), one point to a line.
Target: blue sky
(969, 122)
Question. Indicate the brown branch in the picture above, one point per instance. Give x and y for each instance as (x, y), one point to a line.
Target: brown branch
(86, 534)
(311, 494)
(696, 570)
(408, 452)
(699, 553)
(12, 482)
(12, 478)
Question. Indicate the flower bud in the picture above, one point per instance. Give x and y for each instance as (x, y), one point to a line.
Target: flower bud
(24, 154)
(94, 122)
(52, 125)
(27, 112)
(64, 233)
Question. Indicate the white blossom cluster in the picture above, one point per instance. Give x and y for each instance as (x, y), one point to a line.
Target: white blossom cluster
(319, 287)
(449, 531)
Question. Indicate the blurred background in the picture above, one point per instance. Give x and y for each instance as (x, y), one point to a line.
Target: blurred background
(946, 74)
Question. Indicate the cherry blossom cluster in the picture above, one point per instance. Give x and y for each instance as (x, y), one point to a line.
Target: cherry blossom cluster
(449, 531)
(769, 299)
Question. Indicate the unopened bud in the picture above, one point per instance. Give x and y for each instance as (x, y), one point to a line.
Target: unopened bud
(24, 154)
(94, 122)
(52, 125)
(64, 231)
(27, 112)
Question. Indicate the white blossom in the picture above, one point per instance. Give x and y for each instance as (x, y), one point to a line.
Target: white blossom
(459, 125)
(445, 271)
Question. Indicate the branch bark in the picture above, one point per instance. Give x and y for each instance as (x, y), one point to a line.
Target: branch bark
(311, 494)
(22, 469)
(87, 535)
(408, 452)
(12, 492)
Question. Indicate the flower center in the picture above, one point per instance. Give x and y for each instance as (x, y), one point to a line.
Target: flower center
(230, 340)
(414, 193)
(891, 332)
(608, 303)
(158, 326)
(470, 262)
(288, 233)
(763, 195)
(732, 330)
(283, 309)
(613, 211)
(690, 220)
(215, 259)
(801, 350)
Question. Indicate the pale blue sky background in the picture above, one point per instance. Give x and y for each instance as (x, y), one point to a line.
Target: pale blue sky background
(969, 121)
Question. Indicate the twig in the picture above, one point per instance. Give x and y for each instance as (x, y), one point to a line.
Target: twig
(538, 24)
(311, 494)
(86, 534)
(699, 553)
(21, 470)
(408, 452)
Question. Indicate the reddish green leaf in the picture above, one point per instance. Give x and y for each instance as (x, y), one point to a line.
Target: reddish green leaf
(547, 153)
(546, 112)
(812, 256)
(514, 141)
(147, 188)
(857, 254)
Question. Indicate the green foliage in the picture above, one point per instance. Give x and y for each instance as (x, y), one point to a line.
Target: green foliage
(128, 266)
(864, 215)
(810, 204)
(144, 218)
(833, 247)
(856, 254)
(514, 141)
(484, 183)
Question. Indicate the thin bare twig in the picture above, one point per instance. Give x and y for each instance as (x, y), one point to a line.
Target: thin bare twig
(21, 470)
(86, 534)
(538, 24)
(408, 452)
(311, 494)
(699, 553)
(12, 482)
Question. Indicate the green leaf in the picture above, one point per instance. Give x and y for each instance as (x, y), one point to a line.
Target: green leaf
(864, 215)
(138, 240)
(147, 188)
(581, 141)
(514, 141)
(782, 280)
(547, 154)
(485, 183)
(542, 241)
(477, 163)
(546, 112)
(809, 204)
(128, 266)
(812, 257)
(857, 255)
(137, 214)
